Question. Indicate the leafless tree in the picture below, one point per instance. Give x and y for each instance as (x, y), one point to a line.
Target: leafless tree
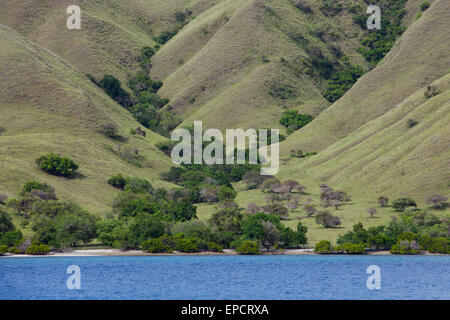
(309, 209)
(252, 208)
(438, 201)
(371, 211)
(293, 203)
(383, 201)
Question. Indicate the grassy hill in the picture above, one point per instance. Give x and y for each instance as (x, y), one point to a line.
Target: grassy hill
(230, 63)
(241, 63)
(112, 32)
(419, 58)
(49, 106)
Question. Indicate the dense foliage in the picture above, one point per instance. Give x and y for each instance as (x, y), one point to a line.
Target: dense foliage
(294, 120)
(145, 104)
(57, 165)
(378, 43)
(341, 82)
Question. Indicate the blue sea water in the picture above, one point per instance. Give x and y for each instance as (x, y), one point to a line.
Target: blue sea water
(226, 277)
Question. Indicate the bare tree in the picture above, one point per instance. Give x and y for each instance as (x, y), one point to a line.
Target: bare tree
(299, 188)
(252, 208)
(309, 209)
(371, 211)
(438, 201)
(383, 201)
(335, 203)
(267, 184)
(291, 184)
(293, 203)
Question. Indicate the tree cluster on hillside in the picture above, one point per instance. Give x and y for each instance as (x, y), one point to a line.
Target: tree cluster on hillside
(145, 104)
(378, 43)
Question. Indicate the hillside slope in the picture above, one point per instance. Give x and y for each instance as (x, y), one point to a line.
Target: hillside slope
(112, 31)
(419, 58)
(48, 106)
(390, 155)
(241, 63)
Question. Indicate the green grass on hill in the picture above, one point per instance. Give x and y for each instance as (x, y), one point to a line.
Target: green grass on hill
(241, 63)
(67, 119)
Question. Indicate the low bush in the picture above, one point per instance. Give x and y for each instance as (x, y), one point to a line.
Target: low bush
(401, 204)
(303, 6)
(341, 82)
(57, 165)
(3, 249)
(430, 91)
(323, 246)
(110, 130)
(38, 249)
(166, 35)
(248, 248)
(188, 245)
(118, 181)
(156, 246)
(411, 123)
(11, 238)
(350, 248)
(425, 5)
(34, 185)
(405, 247)
(214, 247)
(294, 120)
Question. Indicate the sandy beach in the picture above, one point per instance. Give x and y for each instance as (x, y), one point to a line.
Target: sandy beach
(117, 252)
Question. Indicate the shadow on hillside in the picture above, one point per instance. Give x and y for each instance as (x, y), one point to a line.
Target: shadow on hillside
(76, 175)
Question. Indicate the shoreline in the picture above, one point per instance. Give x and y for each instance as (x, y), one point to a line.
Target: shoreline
(140, 253)
(226, 252)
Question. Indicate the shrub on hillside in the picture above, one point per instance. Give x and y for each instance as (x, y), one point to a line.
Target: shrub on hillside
(401, 204)
(6, 224)
(430, 91)
(425, 5)
(110, 130)
(303, 6)
(330, 7)
(294, 120)
(166, 35)
(138, 185)
(112, 87)
(35, 185)
(411, 123)
(57, 165)
(341, 82)
(438, 201)
(118, 181)
(383, 201)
